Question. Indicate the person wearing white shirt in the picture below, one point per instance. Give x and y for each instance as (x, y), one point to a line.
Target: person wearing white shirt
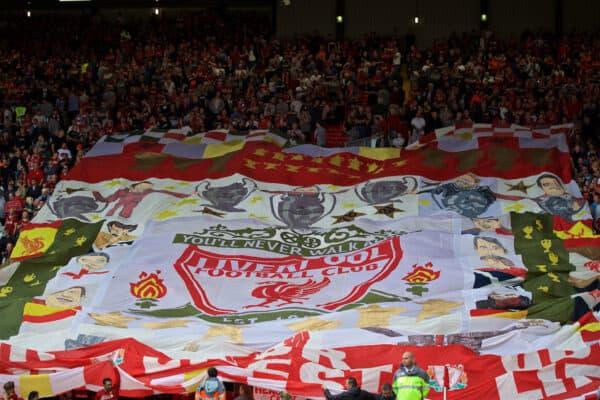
(418, 127)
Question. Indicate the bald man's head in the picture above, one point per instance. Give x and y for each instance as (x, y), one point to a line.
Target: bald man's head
(408, 359)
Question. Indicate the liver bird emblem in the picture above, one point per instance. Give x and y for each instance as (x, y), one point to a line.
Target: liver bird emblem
(33, 245)
(286, 293)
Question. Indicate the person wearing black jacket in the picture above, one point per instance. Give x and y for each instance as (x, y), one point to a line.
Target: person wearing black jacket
(386, 392)
(353, 392)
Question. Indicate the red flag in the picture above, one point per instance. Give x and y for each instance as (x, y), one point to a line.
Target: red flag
(446, 378)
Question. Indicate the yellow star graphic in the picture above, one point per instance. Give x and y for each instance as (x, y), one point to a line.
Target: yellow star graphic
(80, 241)
(332, 187)
(425, 202)
(349, 205)
(183, 183)
(313, 169)
(318, 160)
(400, 163)
(293, 168)
(260, 152)
(297, 157)
(516, 206)
(521, 187)
(115, 182)
(95, 217)
(256, 199)
(314, 324)
(337, 160)
(164, 214)
(375, 315)
(115, 318)
(176, 323)
(354, 164)
(334, 171)
(183, 202)
(170, 187)
(279, 156)
(543, 289)
(372, 168)
(232, 332)
(250, 163)
(436, 307)
(270, 165)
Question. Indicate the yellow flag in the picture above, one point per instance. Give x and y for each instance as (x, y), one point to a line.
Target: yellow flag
(34, 241)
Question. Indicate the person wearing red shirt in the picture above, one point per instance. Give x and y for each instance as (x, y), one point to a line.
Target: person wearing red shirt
(9, 389)
(264, 122)
(35, 174)
(34, 159)
(14, 203)
(10, 223)
(108, 392)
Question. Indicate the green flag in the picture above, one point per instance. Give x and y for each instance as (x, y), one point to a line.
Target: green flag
(29, 279)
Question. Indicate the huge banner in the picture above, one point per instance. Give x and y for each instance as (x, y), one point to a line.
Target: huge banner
(290, 268)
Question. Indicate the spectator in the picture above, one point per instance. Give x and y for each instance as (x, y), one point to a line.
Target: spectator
(212, 388)
(245, 393)
(356, 86)
(353, 392)
(410, 381)
(9, 387)
(320, 134)
(108, 392)
(386, 392)
(14, 204)
(398, 141)
(417, 127)
(4, 260)
(295, 135)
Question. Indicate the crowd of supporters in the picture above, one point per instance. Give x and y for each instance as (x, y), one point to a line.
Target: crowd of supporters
(66, 81)
(535, 80)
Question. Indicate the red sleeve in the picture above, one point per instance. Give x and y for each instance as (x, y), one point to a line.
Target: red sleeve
(176, 194)
(116, 195)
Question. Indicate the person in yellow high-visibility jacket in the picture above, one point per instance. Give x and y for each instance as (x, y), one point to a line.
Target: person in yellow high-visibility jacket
(212, 388)
(410, 381)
